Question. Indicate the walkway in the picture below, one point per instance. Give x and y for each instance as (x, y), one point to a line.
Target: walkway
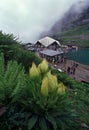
(81, 72)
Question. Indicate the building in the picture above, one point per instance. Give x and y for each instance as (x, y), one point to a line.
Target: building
(29, 46)
(50, 49)
(47, 43)
(52, 55)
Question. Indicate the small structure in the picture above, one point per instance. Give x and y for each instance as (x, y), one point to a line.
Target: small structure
(52, 55)
(75, 48)
(47, 43)
(29, 46)
(32, 49)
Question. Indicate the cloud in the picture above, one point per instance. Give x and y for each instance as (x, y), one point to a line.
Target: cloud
(29, 18)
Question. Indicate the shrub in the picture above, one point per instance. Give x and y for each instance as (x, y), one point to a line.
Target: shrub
(79, 94)
(8, 39)
(9, 76)
(38, 101)
(46, 101)
(13, 50)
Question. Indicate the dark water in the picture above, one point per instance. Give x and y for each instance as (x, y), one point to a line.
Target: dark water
(81, 56)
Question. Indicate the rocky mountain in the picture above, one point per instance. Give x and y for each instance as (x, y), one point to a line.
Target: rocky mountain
(72, 18)
(73, 27)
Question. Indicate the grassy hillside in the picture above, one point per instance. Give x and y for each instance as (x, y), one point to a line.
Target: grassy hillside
(77, 36)
(74, 28)
(80, 30)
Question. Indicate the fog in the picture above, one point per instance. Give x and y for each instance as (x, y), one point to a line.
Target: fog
(28, 19)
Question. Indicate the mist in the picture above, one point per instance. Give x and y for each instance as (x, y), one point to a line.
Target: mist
(28, 19)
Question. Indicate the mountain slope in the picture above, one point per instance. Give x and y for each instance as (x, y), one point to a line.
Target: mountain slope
(73, 27)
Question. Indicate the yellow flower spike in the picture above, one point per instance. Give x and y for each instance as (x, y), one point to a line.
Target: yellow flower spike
(52, 81)
(61, 88)
(44, 86)
(43, 66)
(33, 71)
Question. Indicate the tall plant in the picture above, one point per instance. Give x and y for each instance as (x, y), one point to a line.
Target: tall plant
(46, 100)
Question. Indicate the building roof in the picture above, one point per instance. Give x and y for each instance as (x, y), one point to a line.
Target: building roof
(46, 41)
(51, 52)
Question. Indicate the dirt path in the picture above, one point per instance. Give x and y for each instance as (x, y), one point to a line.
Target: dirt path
(81, 72)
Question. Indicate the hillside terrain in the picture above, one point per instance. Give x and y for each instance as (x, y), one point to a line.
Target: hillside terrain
(73, 28)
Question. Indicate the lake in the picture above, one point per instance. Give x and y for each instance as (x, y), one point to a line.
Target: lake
(81, 56)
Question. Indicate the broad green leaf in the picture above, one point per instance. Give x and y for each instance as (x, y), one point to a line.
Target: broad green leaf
(32, 122)
(42, 124)
(52, 121)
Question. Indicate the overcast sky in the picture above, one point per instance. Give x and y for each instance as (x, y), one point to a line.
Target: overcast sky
(27, 19)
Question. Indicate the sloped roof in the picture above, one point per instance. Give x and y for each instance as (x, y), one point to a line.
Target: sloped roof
(46, 41)
(51, 52)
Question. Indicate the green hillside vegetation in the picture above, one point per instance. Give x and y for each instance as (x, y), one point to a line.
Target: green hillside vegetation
(13, 50)
(40, 100)
(83, 29)
(36, 97)
(75, 41)
(77, 36)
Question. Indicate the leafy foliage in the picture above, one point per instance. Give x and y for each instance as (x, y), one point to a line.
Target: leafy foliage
(53, 110)
(38, 101)
(7, 39)
(26, 58)
(8, 78)
(22, 91)
(13, 50)
(79, 95)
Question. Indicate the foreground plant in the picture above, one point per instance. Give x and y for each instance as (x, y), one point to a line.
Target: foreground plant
(37, 101)
(9, 76)
(45, 99)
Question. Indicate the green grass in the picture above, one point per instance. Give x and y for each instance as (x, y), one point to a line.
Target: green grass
(74, 36)
(75, 41)
(83, 29)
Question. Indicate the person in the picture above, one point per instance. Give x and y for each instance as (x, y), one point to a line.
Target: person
(68, 70)
(76, 65)
(73, 69)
